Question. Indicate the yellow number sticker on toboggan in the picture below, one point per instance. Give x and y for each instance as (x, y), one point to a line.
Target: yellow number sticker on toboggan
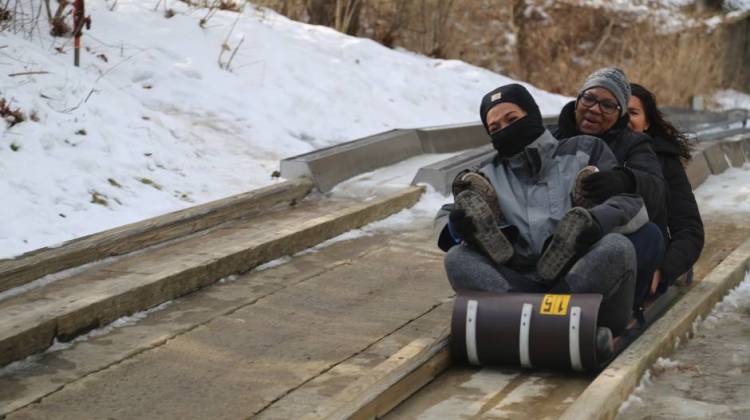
(555, 305)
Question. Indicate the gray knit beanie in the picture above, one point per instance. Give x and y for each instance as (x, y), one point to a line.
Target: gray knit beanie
(615, 81)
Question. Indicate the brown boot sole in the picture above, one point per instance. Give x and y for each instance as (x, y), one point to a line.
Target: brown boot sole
(478, 183)
(561, 250)
(489, 238)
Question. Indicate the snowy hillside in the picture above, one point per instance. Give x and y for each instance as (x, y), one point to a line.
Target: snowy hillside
(151, 123)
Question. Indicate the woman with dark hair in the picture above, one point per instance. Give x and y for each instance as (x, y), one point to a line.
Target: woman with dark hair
(672, 147)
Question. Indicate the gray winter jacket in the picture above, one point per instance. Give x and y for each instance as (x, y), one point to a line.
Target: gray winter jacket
(533, 190)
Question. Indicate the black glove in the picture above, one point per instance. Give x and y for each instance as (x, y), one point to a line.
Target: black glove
(588, 237)
(599, 186)
(462, 224)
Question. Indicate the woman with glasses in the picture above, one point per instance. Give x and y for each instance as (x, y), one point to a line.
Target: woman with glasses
(601, 110)
(685, 234)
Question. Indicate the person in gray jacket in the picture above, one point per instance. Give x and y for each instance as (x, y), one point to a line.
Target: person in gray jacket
(518, 224)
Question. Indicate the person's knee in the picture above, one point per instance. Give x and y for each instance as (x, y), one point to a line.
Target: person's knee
(653, 236)
(617, 245)
(648, 242)
(452, 260)
(458, 264)
(613, 251)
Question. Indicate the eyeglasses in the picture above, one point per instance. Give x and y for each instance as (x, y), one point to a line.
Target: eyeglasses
(607, 106)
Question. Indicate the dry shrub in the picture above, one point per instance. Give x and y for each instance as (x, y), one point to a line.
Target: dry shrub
(231, 5)
(293, 9)
(5, 15)
(424, 26)
(58, 26)
(554, 45)
(342, 15)
(57, 20)
(24, 16)
(10, 115)
(557, 51)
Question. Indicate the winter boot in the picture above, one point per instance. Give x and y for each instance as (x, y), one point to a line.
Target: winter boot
(562, 248)
(576, 195)
(488, 236)
(477, 182)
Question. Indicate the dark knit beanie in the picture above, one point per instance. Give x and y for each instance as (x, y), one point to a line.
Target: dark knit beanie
(615, 81)
(513, 93)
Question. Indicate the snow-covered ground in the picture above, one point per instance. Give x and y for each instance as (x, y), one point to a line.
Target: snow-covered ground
(151, 122)
(669, 16)
(727, 99)
(157, 118)
(728, 192)
(694, 383)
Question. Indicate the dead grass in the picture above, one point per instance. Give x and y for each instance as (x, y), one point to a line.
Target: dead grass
(98, 198)
(114, 183)
(5, 14)
(231, 5)
(151, 183)
(10, 115)
(572, 41)
(425, 26)
(557, 46)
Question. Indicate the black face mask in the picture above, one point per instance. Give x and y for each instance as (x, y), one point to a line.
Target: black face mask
(512, 139)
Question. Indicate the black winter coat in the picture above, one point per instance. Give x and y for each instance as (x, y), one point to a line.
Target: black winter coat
(634, 153)
(685, 241)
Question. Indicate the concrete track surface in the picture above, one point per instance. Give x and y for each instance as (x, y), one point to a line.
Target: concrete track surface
(350, 328)
(706, 377)
(472, 393)
(280, 342)
(274, 342)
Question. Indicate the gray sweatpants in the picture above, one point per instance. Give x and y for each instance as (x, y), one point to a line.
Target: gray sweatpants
(608, 268)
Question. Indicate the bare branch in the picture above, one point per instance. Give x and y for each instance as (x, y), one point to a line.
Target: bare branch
(27, 73)
(231, 57)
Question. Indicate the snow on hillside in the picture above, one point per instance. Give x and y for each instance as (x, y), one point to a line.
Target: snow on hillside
(668, 16)
(728, 99)
(150, 123)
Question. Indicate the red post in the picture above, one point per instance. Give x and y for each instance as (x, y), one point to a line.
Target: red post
(79, 20)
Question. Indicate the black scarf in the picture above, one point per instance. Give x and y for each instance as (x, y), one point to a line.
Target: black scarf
(512, 139)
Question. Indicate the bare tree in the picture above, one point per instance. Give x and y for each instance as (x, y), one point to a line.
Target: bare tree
(347, 15)
(342, 15)
(396, 22)
(440, 31)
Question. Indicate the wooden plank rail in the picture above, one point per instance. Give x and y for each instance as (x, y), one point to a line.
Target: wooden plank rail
(604, 395)
(390, 382)
(72, 306)
(122, 240)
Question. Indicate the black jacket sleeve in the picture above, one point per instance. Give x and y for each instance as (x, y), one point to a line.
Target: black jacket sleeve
(643, 165)
(684, 221)
(621, 213)
(601, 156)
